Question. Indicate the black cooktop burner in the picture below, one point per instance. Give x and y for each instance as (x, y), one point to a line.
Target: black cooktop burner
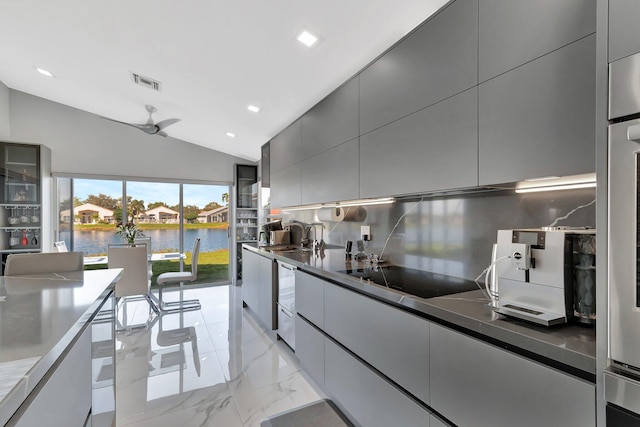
(423, 284)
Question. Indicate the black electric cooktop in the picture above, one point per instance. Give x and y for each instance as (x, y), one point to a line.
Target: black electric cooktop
(423, 284)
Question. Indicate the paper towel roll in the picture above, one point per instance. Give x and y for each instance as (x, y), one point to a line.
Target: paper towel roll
(351, 213)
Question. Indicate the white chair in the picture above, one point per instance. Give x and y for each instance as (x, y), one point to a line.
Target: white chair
(134, 281)
(60, 246)
(147, 242)
(180, 277)
(38, 263)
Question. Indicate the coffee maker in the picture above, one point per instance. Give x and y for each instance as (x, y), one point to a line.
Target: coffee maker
(546, 275)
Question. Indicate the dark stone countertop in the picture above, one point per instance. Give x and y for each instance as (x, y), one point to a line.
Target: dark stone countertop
(570, 347)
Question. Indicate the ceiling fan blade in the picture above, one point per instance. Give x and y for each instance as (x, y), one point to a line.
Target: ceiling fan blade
(161, 133)
(147, 128)
(164, 123)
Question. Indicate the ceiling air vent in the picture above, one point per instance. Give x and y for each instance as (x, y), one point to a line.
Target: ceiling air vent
(146, 81)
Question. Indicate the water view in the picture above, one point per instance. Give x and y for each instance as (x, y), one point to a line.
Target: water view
(94, 242)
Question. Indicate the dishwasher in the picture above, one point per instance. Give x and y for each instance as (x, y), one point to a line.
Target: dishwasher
(287, 303)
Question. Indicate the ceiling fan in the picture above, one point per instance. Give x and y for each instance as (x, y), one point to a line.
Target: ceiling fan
(150, 128)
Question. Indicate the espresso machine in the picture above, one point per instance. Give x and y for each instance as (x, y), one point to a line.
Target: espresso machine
(546, 275)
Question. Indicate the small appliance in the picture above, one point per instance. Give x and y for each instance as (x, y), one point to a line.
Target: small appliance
(546, 275)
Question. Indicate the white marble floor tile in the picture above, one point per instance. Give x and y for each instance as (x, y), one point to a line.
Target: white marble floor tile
(210, 367)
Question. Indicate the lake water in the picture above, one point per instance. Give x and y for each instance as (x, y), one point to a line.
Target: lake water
(96, 242)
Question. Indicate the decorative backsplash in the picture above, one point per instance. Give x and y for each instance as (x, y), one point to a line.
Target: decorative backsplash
(453, 235)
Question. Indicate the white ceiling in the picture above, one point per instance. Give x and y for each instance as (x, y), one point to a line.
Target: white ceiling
(213, 57)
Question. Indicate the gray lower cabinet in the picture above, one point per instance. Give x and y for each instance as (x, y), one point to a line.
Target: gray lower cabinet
(624, 31)
(285, 187)
(474, 384)
(332, 121)
(436, 61)
(310, 349)
(366, 397)
(310, 298)
(391, 340)
(64, 398)
(433, 149)
(515, 32)
(285, 148)
(332, 175)
(538, 120)
(250, 279)
(267, 293)
(258, 286)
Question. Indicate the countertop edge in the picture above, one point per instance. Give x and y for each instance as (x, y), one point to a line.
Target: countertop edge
(19, 393)
(528, 343)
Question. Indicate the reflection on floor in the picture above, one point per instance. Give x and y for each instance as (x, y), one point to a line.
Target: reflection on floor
(210, 367)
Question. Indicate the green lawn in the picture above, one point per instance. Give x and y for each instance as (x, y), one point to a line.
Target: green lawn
(212, 267)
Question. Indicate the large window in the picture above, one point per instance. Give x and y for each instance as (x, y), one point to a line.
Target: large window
(173, 215)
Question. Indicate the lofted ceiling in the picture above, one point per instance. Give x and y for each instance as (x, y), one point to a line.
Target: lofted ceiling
(214, 58)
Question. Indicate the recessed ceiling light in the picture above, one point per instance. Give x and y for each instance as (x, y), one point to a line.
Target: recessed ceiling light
(231, 134)
(253, 108)
(44, 72)
(307, 39)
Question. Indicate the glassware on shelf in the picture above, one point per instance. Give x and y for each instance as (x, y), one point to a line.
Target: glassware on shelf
(25, 240)
(13, 219)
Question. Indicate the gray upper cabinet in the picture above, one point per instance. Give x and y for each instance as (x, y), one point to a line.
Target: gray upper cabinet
(437, 61)
(624, 31)
(285, 187)
(285, 148)
(331, 176)
(515, 32)
(433, 149)
(538, 120)
(332, 121)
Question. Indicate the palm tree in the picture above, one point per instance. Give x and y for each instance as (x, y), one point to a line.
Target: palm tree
(136, 207)
(225, 198)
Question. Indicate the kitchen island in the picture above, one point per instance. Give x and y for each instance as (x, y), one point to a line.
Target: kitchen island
(45, 344)
(451, 355)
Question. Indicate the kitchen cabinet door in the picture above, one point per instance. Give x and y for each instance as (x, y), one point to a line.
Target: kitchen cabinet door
(436, 61)
(364, 396)
(391, 340)
(331, 175)
(476, 384)
(267, 293)
(310, 298)
(332, 121)
(64, 398)
(515, 32)
(250, 279)
(285, 148)
(624, 32)
(310, 349)
(433, 149)
(538, 120)
(285, 187)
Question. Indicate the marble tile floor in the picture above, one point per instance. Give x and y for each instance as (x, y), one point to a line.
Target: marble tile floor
(210, 367)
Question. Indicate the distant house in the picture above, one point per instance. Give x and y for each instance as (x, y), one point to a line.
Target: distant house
(161, 214)
(90, 214)
(215, 215)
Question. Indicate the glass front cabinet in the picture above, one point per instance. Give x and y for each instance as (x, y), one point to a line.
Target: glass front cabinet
(245, 219)
(24, 207)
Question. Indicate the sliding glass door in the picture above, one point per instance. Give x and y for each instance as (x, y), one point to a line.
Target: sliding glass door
(172, 214)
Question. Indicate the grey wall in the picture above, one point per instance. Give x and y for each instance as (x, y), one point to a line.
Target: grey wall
(83, 143)
(4, 112)
(454, 235)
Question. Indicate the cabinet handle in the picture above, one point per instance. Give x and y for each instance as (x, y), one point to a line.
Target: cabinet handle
(285, 313)
(633, 133)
